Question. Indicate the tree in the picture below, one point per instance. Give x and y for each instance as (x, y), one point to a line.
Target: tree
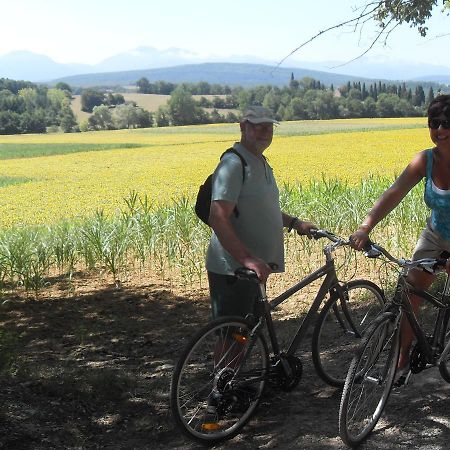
(67, 120)
(130, 116)
(30, 98)
(9, 122)
(101, 119)
(114, 99)
(63, 87)
(215, 117)
(143, 85)
(33, 121)
(321, 104)
(181, 107)
(387, 105)
(162, 117)
(91, 98)
(419, 96)
(430, 96)
(272, 100)
(370, 107)
(57, 99)
(11, 102)
(296, 110)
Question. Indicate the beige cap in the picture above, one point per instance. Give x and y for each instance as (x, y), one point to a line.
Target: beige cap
(258, 114)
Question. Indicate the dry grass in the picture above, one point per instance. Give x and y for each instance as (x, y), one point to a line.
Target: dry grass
(149, 102)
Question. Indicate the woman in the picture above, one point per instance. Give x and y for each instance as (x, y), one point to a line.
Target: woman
(433, 165)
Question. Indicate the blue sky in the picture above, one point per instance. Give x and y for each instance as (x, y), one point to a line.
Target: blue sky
(87, 31)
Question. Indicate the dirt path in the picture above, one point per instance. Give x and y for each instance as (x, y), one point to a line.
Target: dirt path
(92, 371)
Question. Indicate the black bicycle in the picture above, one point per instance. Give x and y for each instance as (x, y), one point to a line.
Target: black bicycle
(221, 374)
(372, 371)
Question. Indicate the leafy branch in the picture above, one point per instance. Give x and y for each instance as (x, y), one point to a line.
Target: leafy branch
(388, 15)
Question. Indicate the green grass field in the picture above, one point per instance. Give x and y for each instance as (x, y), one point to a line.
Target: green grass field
(18, 150)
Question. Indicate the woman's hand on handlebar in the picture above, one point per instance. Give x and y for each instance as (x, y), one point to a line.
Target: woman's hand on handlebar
(359, 239)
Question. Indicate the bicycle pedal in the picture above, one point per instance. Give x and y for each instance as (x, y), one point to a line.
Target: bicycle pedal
(402, 379)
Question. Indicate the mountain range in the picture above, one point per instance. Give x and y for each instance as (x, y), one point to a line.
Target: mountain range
(181, 65)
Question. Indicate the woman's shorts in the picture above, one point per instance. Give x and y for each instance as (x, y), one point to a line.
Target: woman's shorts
(430, 244)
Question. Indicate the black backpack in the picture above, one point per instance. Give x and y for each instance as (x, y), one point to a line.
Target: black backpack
(203, 202)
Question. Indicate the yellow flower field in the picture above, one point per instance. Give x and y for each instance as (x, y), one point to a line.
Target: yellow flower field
(174, 161)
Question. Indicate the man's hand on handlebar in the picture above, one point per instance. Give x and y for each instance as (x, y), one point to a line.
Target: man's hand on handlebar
(304, 228)
(262, 269)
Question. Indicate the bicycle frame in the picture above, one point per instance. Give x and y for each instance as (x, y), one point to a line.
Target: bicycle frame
(427, 348)
(329, 284)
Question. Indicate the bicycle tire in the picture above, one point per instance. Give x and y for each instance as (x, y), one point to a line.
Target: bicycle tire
(369, 380)
(335, 338)
(221, 364)
(444, 366)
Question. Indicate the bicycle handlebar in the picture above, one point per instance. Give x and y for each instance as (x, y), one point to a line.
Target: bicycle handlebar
(244, 272)
(317, 234)
(372, 250)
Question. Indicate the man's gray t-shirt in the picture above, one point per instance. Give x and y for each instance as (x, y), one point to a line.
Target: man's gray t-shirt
(259, 224)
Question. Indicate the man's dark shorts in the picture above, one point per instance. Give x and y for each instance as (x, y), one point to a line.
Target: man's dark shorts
(232, 296)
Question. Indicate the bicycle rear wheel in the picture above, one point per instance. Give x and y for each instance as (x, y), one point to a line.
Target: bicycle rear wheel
(340, 326)
(444, 366)
(369, 380)
(218, 381)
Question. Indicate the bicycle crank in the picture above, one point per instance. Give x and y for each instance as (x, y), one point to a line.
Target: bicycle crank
(286, 372)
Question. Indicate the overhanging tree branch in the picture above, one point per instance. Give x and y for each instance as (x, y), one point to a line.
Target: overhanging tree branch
(355, 20)
(388, 14)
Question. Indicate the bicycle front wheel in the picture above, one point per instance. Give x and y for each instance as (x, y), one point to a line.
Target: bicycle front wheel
(219, 379)
(340, 326)
(444, 366)
(369, 379)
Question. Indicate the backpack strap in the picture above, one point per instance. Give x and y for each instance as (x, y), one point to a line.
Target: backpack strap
(243, 161)
(244, 165)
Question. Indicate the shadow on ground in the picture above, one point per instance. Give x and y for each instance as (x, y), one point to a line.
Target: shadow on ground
(93, 371)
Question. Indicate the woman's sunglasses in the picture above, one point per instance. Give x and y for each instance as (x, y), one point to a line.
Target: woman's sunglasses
(434, 124)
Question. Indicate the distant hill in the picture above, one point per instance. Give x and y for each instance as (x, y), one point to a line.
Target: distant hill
(24, 65)
(177, 64)
(434, 78)
(221, 73)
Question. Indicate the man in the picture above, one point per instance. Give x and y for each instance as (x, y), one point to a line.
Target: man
(253, 237)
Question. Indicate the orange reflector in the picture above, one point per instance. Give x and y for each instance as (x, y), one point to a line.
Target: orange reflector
(240, 338)
(210, 426)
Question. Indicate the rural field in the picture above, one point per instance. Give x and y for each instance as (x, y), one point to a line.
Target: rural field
(149, 102)
(102, 278)
(111, 200)
(68, 176)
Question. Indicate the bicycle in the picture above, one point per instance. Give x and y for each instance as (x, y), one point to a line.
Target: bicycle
(373, 369)
(221, 374)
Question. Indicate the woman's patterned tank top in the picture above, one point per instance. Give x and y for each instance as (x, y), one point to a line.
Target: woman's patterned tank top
(438, 201)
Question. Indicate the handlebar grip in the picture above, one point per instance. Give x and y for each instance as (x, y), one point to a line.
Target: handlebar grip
(370, 251)
(440, 263)
(244, 272)
(317, 234)
(368, 246)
